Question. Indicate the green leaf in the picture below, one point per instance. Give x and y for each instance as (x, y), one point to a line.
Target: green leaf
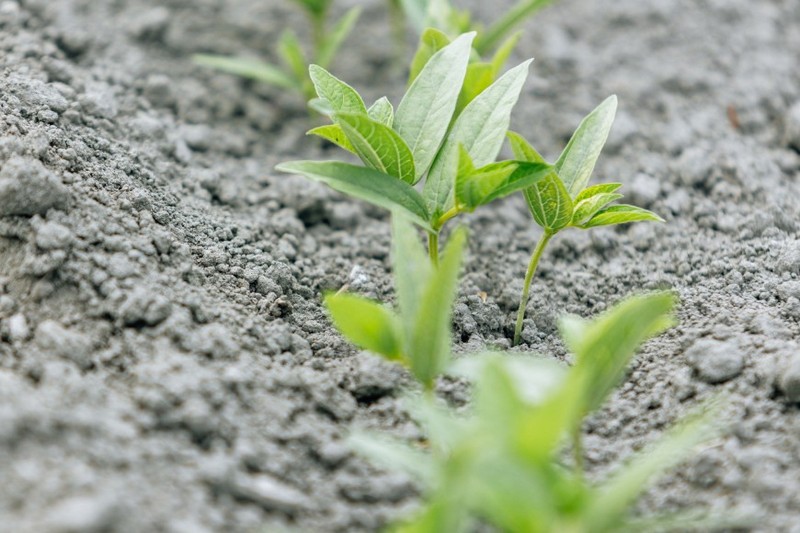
(382, 111)
(424, 114)
(601, 188)
(522, 149)
(316, 8)
(432, 41)
(412, 270)
(334, 134)
(479, 77)
(378, 145)
(510, 19)
(496, 180)
(292, 55)
(365, 183)
(577, 161)
(550, 203)
(248, 68)
(341, 97)
(586, 209)
(416, 11)
(367, 324)
(604, 346)
(394, 454)
(429, 342)
(337, 35)
(321, 106)
(504, 52)
(526, 175)
(621, 214)
(481, 128)
(610, 507)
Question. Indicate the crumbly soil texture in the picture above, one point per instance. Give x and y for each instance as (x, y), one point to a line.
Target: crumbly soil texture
(165, 361)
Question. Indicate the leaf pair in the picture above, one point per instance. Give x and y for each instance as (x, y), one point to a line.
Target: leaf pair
(500, 463)
(425, 139)
(419, 334)
(292, 72)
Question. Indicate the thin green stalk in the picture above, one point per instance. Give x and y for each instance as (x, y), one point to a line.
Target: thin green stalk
(537, 254)
(433, 247)
(516, 15)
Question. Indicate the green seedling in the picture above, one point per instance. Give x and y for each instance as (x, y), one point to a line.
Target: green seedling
(500, 464)
(563, 200)
(418, 336)
(443, 16)
(292, 72)
(425, 139)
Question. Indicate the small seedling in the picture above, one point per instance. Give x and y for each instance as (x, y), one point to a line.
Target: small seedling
(292, 73)
(563, 200)
(424, 139)
(500, 464)
(418, 336)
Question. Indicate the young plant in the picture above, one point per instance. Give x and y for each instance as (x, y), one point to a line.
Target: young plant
(500, 464)
(418, 336)
(423, 140)
(563, 200)
(292, 73)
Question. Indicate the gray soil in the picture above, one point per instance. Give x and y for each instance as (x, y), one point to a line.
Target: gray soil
(165, 364)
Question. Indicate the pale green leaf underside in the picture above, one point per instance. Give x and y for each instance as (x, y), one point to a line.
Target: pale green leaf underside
(621, 214)
(341, 97)
(382, 111)
(378, 145)
(366, 184)
(248, 68)
(577, 161)
(424, 114)
(585, 209)
(334, 134)
(481, 128)
(367, 324)
(600, 188)
(550, 203)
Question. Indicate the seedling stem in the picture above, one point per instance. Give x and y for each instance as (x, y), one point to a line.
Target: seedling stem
(433, 247)
(537, 254)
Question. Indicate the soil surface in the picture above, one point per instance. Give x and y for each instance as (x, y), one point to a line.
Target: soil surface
(165, 364)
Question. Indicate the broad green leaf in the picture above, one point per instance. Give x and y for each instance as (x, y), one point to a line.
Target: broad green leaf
(526, 175)
(504, 52)
(585, 209)
(321, 106)
(365, 183)
(338, 34)
(550, 203)
(412, 270)
(429, 343)
(334, 134)
(367, 324)
(292, 55)
(424, 113)
(432, 41)
(621, 214)
(378, 145)
(603, 347)
(522, 149)
(394, 454)
(497, 180)
(577, 161)
(382, 111)
(481, 128)
(479, 77)
(601, 188)
(248, 68)
(510, 19)
(341, 97)
(611, 504)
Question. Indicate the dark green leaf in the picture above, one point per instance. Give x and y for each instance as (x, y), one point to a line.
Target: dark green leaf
(550, 203)
(341, 97)
(248, 68)
(378, 145)
(621, 214)
(338, 34)
(424, 115)
(367, 324)
(586, 209)
(364, 183)
(577, 161)
(334, 134)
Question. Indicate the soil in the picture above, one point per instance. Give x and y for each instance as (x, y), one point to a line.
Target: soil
(165, 364)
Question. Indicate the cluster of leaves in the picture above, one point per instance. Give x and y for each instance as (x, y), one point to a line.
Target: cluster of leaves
(292, 72)
(500, 462)
(563, 200)
(425, 139)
